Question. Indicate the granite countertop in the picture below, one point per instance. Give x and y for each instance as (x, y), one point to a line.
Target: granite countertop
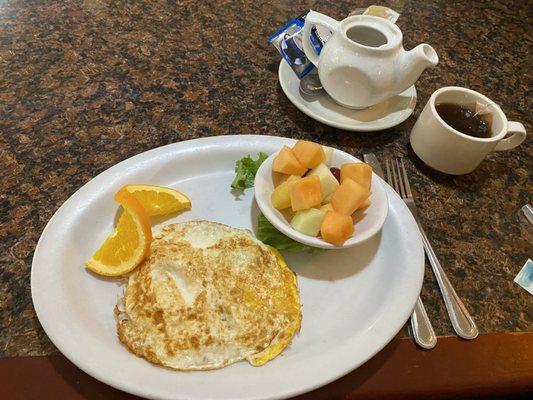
(86, 84)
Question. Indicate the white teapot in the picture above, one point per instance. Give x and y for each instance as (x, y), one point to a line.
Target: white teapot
(364, 63)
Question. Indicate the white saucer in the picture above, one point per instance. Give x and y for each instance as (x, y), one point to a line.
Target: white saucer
(323, 108)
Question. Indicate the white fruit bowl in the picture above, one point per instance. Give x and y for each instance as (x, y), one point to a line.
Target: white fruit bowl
(368, 223)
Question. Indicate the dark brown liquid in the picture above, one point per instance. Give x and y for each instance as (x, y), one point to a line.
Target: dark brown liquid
(464, 120)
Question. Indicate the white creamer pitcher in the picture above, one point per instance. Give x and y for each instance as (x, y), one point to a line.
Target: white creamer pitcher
(364, 63)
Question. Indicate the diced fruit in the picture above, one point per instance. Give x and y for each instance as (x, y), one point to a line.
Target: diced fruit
(336, 228)
(359, 172)
(287, 214)
(308, 153)
(328, 154)
(349, 197)
(280, 197)
(365, 204)
(287, 163)
(308, 221)
(284, 178)
(336, 173)
(327, 207)
(328, 183)
(305, 193)
(278, 178)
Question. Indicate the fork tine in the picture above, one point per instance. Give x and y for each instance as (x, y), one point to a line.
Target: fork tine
(400, 180)
(395, 177)
(389, 174)
(406, 181)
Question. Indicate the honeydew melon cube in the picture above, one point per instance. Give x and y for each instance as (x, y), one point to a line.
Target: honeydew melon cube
(281, 197)
(328, 182)
(328, 153)
(308, 221)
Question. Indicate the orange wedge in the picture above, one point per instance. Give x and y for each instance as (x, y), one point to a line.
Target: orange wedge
(128, 245)
(158, 200)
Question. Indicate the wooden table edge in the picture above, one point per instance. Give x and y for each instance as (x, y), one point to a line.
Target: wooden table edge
(495, 364)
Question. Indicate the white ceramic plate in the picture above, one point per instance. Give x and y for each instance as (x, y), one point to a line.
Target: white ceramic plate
(324, 109)
(354, 300)
(369, 223)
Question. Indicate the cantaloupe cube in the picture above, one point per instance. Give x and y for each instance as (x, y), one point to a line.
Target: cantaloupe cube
(336, 228)
(280, 197)
(365, 204)
(349, 196)
(278, 178)
(328, 182)
(359, 172)
(326, 207)
(287, 163)
(308, 221)
(308, 153)
(305, 193)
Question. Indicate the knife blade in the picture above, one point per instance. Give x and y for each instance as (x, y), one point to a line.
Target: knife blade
(372, 160)
(528, 212)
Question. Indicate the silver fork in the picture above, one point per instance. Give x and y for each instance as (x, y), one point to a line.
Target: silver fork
(462, 322)
(421, 328)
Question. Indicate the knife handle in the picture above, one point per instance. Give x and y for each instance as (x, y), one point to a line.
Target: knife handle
(421, 327)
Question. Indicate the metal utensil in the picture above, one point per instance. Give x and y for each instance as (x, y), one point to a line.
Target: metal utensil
(372, 160)
(462, 322)
(421, 327)
(528, 212)
(310, 84)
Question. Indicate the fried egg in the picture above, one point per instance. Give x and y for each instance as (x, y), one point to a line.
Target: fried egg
(209, 295)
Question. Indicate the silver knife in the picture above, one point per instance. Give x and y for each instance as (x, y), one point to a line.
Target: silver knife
(421, 327)
(528, 212)
(372, 160)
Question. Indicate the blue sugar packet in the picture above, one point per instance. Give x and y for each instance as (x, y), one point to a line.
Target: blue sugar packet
(525, 276)
(288, 40)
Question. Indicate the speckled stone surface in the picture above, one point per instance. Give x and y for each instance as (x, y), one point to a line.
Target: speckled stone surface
(86, 84)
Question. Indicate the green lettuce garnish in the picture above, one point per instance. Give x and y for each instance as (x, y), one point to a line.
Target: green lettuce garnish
(268, 234)
(245, 169)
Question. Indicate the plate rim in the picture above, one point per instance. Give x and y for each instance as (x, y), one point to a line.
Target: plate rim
(368, 127)
(123, 385)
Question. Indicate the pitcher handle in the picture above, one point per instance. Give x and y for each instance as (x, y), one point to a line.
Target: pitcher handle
(518, 136)
(314, 18)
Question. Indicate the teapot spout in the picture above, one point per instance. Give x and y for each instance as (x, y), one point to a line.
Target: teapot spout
(414, 62)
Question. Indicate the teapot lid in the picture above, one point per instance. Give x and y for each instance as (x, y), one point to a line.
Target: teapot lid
(371, 32)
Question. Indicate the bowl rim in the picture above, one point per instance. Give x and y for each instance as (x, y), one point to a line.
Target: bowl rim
(281, 224)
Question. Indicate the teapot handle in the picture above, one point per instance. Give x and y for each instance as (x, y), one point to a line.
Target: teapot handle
(314, 18)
